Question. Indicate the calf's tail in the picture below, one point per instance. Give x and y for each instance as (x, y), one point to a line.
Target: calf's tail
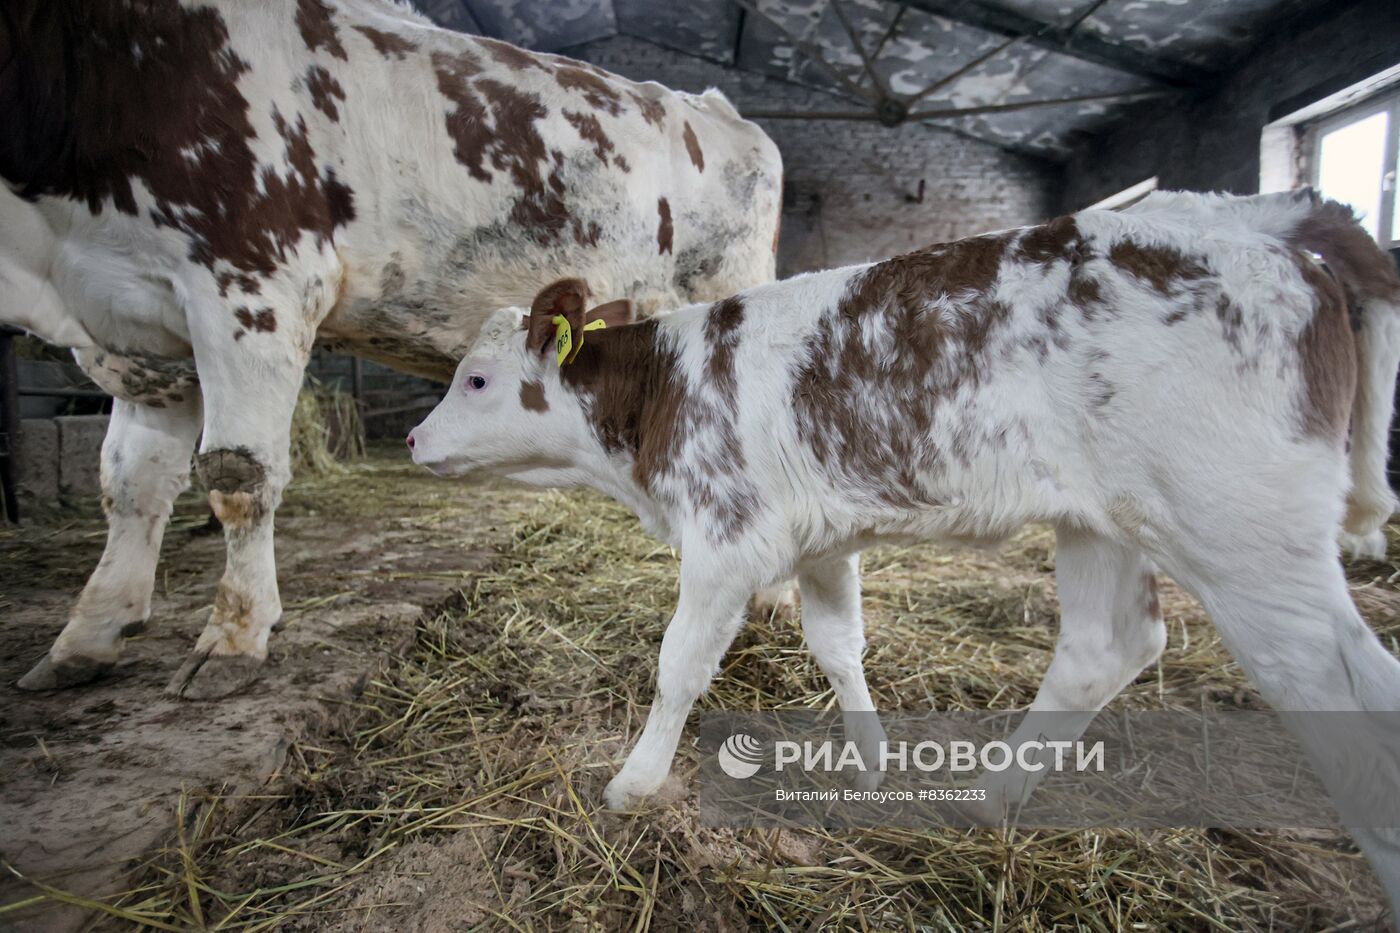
(1369, 278)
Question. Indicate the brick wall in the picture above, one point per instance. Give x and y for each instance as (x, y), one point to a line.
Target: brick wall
(1210, 140)
(851, 187)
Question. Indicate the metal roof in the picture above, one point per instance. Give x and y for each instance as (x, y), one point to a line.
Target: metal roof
(1031, 75)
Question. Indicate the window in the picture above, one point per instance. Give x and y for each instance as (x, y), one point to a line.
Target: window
(1353, 159)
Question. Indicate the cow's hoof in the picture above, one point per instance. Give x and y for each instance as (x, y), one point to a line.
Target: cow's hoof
(211, 676)
(49, 674)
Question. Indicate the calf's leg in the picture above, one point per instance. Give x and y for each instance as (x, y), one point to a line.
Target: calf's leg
(1110, 629)
(145, 466)
(708, 615)
(1287, 618)
(835, 634)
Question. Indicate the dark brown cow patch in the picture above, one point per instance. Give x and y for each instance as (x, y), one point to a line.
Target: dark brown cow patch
(597, 90)
(692, 146)
(591, 131)
(621, 163)
(264, 321)
(173, 119)
(664, 230)
(388, 44)
(512, 57)
(509, 143)
(318, 28)
(652, 111)
(325, 90)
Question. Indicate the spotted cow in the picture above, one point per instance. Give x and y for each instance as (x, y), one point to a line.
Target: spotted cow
(1171, 388)
(197, 194)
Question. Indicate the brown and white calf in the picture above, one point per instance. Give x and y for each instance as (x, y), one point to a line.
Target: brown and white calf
(198, 193)
(1169, 387)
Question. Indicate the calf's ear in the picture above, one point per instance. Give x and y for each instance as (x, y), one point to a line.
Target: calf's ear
(566, 297)
(614, 314)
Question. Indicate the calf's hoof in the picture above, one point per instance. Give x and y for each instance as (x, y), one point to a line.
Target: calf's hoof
(49, 674)
(624, 793)
(206, 676)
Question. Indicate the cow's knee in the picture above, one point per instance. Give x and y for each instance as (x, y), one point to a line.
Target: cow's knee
(240, 487)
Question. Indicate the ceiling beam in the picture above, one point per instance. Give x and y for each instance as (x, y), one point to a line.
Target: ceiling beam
(1077, 44)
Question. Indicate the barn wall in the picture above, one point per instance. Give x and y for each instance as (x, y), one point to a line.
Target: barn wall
(851, 188)
(1211, 142)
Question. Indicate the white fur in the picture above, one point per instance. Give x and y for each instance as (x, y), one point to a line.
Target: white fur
(1196, 463)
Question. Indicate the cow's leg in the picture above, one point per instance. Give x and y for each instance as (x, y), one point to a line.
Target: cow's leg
(835, 634)
(1110, 629)
(250, 379)
(145, 465)
(708, 615)
(1285, 614)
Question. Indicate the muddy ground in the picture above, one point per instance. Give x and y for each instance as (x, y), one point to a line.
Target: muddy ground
(442, 770)
(91, 778)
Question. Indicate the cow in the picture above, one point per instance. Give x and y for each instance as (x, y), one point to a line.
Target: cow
(198, 194)
(1171, 388)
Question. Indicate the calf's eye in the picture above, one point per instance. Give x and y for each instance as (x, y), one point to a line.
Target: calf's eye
(477, 382)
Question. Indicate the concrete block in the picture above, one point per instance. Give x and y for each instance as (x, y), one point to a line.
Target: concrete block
(38, 460)
(80, 454)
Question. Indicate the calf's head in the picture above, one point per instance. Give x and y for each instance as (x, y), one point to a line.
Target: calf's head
(506, 410)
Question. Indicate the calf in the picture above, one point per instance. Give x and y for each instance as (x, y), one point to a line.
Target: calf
(1169, 387)
(196, 194)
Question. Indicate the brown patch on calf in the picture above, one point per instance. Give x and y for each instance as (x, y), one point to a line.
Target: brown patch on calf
(640, 404)
(591, 131)
(1327, 357)
(722, 335)
(388, 44)
(1332, 231)
(664, 229)
(172, 119)
(1056, 240)
(1151, 604)
(325, 90)
(596, 89)
(692, 146)
(1162, 267)
(263, 321)
(318, 28)
(532, 396)
(621, 162)
(936, 308)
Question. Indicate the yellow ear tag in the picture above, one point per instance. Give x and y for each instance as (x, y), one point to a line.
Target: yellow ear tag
(564, 347)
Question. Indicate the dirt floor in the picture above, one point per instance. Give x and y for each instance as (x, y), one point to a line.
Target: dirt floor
(442, 770)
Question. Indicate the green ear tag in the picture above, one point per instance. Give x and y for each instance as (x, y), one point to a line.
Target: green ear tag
(564, 347)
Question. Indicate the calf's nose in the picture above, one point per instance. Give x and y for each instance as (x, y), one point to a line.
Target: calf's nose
(410, 440)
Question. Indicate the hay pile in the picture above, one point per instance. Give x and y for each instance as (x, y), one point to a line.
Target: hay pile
(464, 788)
(326, 431)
